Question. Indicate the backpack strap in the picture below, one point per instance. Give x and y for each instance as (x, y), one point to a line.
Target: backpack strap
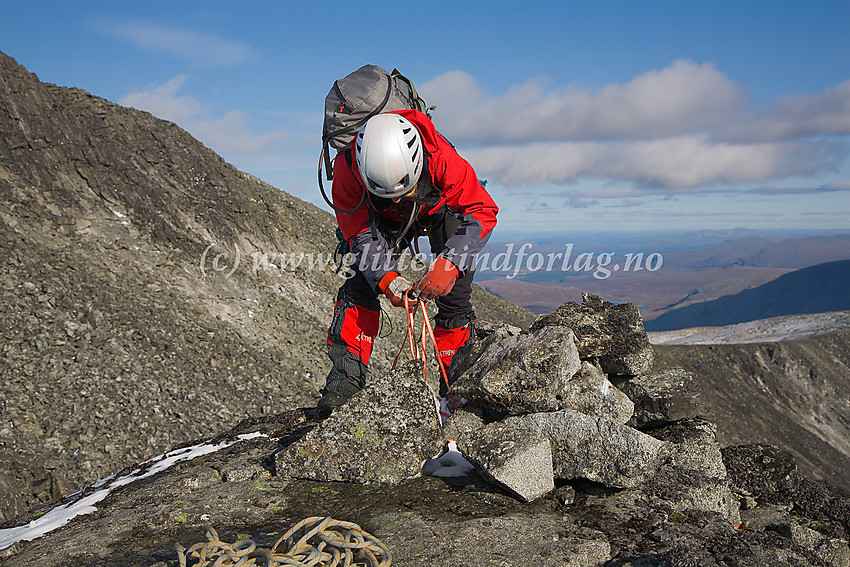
(330, 177)
(406, 87)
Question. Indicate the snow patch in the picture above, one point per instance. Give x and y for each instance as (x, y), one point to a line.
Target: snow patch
(85, 503)
(775, 329)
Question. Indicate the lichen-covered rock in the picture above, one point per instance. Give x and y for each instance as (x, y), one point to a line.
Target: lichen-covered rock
(595, 448)
(511, 458)
(382, 434)
(832, 551)
(513, 539)
(662, 397)
(612, 333)
(765, 472)
(694, 476)
(523, 373)
(464, 423)
(591, 393)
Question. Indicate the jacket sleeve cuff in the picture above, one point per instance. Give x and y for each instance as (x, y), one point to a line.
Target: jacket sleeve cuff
(386, 280)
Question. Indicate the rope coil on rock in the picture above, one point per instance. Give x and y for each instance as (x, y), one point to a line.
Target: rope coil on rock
(313, 542)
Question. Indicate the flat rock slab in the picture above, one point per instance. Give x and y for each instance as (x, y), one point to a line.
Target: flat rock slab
(663, 397)
(515, 539)
(522, 374)
(595, 448)
(382, 434)
(614, 334)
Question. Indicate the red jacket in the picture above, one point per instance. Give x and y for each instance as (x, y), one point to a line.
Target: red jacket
(457, 186)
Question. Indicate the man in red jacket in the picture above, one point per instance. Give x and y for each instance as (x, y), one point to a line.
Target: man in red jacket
(403, 172)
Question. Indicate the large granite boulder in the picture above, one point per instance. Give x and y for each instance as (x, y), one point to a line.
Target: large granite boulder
(612, 333)
(593, 394)
(382, 434)
(594, 448)
(486, 333)
(510, 458)
(522, 373)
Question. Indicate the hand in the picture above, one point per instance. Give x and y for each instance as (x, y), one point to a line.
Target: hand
(439, 280)
(394, 287)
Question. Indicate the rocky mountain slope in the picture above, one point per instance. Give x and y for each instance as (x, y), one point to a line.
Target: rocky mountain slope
(819, 288)
(127, 326)
(567, 470)
(130, 330)
(794, 394)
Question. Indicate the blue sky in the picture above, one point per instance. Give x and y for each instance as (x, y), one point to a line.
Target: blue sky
(603, 115)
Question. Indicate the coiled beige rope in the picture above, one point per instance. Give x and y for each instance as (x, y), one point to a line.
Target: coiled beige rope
(314, 542)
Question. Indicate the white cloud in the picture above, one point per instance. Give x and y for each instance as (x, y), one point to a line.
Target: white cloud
(799, 116)
(678, 99)
(227, 134)
(843, 185)
(669, 163)
(199, 47)
(540, 207)
(684, 127)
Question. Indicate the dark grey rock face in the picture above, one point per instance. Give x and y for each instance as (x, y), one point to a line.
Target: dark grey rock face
(764, 472)
(791, 395)
(514, 539)
(612, 333)
(523, 373)
(26, 481)
(382, 434)
(694, 476)
(662, 397)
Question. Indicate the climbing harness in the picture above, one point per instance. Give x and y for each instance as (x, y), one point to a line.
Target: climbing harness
(313, 542)
(417, 351)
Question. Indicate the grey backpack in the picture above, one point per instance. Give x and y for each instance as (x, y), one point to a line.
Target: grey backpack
(355, 99)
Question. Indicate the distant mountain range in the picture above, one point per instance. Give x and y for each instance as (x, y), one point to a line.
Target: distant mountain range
(761, 252)
(697, 267)
(816, 289)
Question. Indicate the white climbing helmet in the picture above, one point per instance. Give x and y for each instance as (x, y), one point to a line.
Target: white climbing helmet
(389, 155)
